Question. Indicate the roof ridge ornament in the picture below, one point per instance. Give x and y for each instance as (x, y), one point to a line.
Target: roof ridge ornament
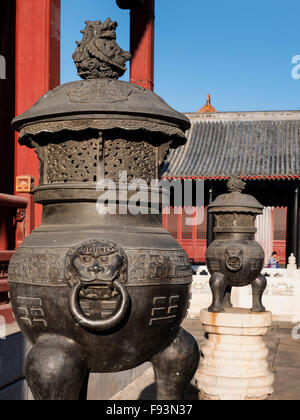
(235, 184)
(98, 56)
(207, 107)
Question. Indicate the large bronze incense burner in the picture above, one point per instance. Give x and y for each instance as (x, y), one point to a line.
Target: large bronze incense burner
(98, 292)
(234, 258)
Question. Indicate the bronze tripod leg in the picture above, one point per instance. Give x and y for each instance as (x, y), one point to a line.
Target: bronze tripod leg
(258, 288)
(175, 366)
(55, 369)
(218, 287)
(227, 298)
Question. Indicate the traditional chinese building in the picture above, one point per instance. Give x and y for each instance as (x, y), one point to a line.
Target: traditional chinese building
(263, 147)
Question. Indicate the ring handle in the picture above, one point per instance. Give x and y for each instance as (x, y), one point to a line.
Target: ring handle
(99, 325)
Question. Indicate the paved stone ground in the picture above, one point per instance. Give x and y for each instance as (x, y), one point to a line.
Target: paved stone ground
(284, 362)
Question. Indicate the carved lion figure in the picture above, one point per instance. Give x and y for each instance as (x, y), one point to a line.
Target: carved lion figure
(98, 55)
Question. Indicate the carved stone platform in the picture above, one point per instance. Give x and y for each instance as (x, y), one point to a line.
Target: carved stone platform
(234, 359)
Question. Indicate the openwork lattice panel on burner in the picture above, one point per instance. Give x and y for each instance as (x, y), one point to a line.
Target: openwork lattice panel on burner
(73, 161)
(137, 158)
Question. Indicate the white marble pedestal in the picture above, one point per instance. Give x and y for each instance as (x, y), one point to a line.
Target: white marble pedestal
(234, 359)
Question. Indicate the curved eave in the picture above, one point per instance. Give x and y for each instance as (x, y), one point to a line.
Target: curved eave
(224, 178)
(254, 145)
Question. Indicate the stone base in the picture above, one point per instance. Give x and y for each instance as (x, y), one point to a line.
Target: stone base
(234, 359)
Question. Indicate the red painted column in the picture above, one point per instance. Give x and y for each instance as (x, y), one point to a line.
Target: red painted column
(165, 220)
(37, 69)
(142, 45)
(7, 110)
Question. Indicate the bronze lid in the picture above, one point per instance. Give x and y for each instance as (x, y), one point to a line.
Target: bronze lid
(235, 201)
(97, 99)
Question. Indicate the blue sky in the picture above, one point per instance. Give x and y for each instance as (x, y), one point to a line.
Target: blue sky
(238, 51)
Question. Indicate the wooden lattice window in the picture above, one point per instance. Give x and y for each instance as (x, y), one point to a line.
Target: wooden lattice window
(280, 223)
(202, 228)
(172, 223)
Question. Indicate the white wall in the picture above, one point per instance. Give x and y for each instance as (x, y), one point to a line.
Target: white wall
(281, 297)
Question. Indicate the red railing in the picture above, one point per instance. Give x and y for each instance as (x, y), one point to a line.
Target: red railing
(12, 234)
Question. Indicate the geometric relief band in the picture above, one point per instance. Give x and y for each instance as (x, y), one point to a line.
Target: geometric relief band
(46, 267)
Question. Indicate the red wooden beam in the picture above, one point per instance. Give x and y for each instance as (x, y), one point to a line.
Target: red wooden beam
(6, 255)
(7, 200)
(4, 287)
(37, 68)
(142, 44)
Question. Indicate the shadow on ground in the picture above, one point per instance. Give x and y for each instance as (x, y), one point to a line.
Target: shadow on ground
(283, 359)
(149, 393)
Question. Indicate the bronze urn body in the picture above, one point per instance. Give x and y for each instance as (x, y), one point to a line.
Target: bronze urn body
(234, 258)
(98, 292)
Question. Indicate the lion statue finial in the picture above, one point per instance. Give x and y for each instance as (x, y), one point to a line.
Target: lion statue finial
(98, 56)
(235, 184)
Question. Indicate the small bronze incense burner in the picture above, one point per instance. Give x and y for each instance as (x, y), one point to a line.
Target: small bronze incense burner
(234, 258)
(96, 291)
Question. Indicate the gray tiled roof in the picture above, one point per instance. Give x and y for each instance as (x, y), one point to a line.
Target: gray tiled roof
(252, 144)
